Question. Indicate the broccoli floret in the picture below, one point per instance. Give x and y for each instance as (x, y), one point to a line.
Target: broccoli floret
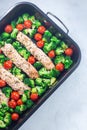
(14, 33)
(2, 43)
(5, 35)
(32, 32)
(47, 35)
(9, 40)
(59, 51)
(29, 82)
(16, 70)
(55, 40)
(27, 93)
(20, 76)
(36, 24)
(49, 46)
(37, 65)
(34, 90)
(59, 59)
(63, 45)
(16, 44)
(23, 107)
(24, 98)
(41, 90)
(68, 62)
(38, 81)
(23, 52)
(32, 18)
(25, 16)
(44, 73)
(29, 103)
(7, 118)
(53, 80)
(20, 20)
(46, 82)
(7, 91)
(2, 58)
(2, 124)
(17, 109)
(13, 24)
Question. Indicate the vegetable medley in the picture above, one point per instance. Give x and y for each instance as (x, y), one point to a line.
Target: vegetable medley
(56, 50)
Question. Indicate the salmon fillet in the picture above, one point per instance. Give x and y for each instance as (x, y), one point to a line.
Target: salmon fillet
(35, 51)
(19, 61)
(13, 81)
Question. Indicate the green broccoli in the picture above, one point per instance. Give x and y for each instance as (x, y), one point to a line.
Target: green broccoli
(37, 65)
(59, 51)
(47, 35)
(63, 45)
(34, 90)
(14, 33)
(55, 40)
(2, 58)
(53, 80)
(16, 71)
(7, 91)
(17, 109)
(38, 81)
(13, 24)
(46, 82)
(25, 16)
(20, 76)
(23, 52)
(41, 90)
(2, 124)
(20, 20)
(59, 59)
(29, 103)
(27, 93)
(16, 44)
(24, 98)
(5, 35)
(44, 73)
(32, 18)
(54, 73)
(2, 43)
(36, 24)
(68, 62)
(7, 118)
(23, 107)
(9, 40)
(29, 82)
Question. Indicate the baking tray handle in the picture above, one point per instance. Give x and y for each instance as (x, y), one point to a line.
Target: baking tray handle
(49, 13)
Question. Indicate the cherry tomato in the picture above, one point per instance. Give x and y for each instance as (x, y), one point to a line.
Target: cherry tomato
(20, 27)
(37, 36)
(51, 54)
(15, 95)
(8, 29)
(2, 83)
(27, 24)
(19, 102)
(31, 60)
(8, 64)
(34, 96)
(15, 116)
(69, 51)
(60, 67)
(41, 29)
(12, 103)
(0, 51)
(40, 43)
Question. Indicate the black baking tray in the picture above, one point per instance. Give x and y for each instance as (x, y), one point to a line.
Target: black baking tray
(32, 9)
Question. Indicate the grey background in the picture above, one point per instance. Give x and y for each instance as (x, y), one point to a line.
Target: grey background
(66, 109)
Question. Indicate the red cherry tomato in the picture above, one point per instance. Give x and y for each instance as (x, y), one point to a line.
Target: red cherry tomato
(19, 102)
(2, 83)
(31, 60)
(8, 29)
(51, 54)
(0, 51)
(20, 27)
(12, 103)
(15, 116)
(40, 43)
(34, 96)
(41, 29)
(8, 64)
(69, 51)
(60, 67)
(37, 36)
(27, 24)
(15, 95)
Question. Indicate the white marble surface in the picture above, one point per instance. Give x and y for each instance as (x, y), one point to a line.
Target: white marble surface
(66, 109)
